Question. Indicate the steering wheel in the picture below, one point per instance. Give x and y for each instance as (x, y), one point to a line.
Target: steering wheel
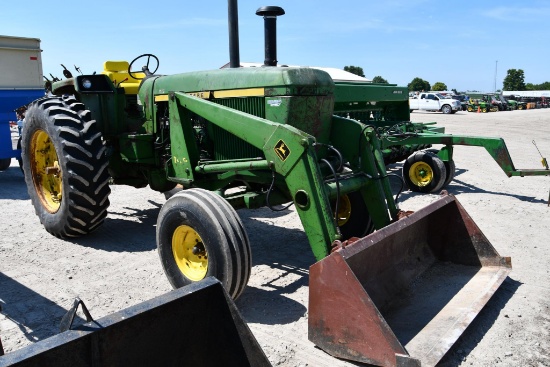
(144, 69)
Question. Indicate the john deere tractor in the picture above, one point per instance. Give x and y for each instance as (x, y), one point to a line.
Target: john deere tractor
(264, 137)
(480, 105)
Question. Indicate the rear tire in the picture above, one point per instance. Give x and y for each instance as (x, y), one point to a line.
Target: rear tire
(20, 160)
(424, 172)
(65, 166)
(5, 163)
(199, 235)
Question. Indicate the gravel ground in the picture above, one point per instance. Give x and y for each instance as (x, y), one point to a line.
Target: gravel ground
(117, 266)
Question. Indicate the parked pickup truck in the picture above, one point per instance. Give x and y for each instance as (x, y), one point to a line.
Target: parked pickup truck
(433, 102)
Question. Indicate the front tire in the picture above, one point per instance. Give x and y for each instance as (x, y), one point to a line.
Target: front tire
(446, 109)
(424, 172)
(450, 168)
(65, 166)
(199, 235)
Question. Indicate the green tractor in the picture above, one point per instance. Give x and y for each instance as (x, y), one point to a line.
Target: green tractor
(479, 105)
(264, 137)
(495, 102)
(514, 103)
(509, 104)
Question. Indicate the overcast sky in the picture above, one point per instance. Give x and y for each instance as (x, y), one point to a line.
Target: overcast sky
(462, 44)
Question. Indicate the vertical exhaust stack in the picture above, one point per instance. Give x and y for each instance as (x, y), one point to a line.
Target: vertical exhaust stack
(270, 14)
(233, 14)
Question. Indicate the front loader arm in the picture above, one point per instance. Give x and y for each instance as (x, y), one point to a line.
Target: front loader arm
(363, 151)
(288, 151)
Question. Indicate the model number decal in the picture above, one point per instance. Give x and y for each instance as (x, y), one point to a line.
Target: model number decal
(274, 102)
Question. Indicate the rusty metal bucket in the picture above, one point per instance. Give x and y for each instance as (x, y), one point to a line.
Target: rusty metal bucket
(197, 325)
(403, 295)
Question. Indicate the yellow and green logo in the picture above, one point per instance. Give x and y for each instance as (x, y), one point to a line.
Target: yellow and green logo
(282, 150)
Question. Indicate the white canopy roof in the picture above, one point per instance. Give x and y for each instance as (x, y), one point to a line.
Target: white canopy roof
(335, 73)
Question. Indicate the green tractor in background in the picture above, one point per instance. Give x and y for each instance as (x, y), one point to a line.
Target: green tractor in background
(514, 103)
(494, 102)
(509, 104)
(480, 105)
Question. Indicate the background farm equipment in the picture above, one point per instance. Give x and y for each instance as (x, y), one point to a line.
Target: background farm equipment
(516, 103)
(425, 168)
(254, 137)
(494, 102)
(534, 102)
(479, 105)
(511, 105)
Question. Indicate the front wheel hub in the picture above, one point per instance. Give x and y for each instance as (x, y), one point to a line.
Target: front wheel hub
(421, 174)
(45, 170)
(189, 253)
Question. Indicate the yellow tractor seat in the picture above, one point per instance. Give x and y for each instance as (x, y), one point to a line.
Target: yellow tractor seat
(117, 71)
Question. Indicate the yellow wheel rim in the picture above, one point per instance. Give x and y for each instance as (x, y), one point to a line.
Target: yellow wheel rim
(344, 210)
(45, 171)
(421, 174)
(189, 253)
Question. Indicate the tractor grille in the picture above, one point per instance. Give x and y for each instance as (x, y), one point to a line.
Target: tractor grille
(229, 146)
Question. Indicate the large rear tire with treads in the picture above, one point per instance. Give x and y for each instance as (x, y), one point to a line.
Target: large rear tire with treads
(65, 164)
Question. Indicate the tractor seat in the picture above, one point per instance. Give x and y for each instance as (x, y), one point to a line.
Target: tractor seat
(117, 71)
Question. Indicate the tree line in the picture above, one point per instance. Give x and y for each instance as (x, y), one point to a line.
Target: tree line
(514, 80)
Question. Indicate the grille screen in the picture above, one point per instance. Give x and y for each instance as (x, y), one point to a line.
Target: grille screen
(229, 146)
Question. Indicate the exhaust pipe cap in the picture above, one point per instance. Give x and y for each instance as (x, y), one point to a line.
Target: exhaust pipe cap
(270, 11)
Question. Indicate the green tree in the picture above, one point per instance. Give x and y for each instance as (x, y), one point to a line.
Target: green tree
(418, 85)
(542, 86)
(439, 86)
(515, 80)
(357, 70)
(379, 79)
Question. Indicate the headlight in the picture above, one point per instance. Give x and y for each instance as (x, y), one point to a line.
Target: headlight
(86, 83)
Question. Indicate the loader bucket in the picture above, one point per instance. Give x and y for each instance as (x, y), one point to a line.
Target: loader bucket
(197, 325)
(403, 295)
